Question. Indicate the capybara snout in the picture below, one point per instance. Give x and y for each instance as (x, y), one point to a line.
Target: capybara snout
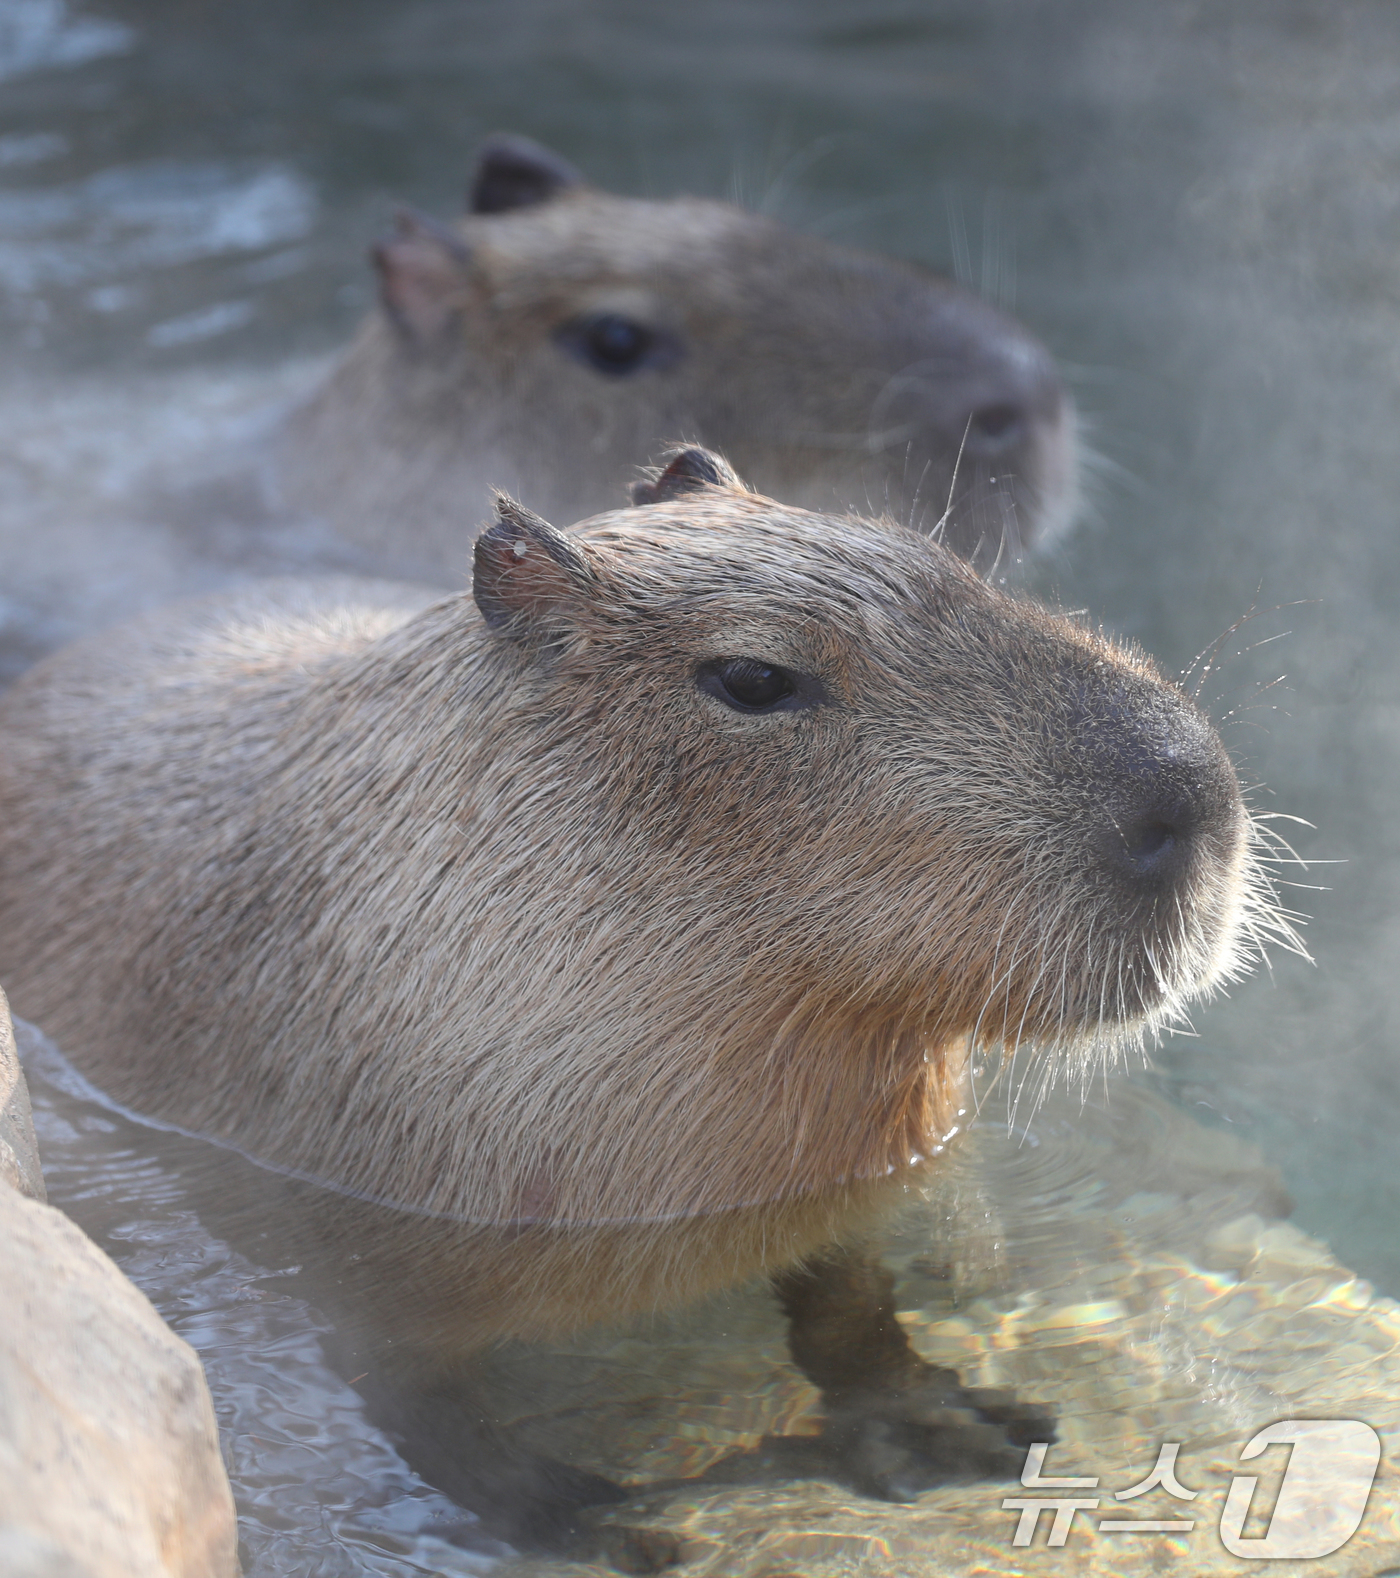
(1164, 836)
(1169, 792)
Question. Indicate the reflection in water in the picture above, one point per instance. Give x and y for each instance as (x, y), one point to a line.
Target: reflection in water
(159, 215)
(1117, 1262)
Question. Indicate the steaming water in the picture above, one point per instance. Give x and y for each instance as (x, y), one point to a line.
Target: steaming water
(1198, 207)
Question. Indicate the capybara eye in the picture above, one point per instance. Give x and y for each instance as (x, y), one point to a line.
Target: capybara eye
(617, 343)
(748, 684)
(610, 343)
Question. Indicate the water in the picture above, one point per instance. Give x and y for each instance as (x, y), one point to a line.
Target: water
(1112, 1259)
(1196, 206)
(320, 1491)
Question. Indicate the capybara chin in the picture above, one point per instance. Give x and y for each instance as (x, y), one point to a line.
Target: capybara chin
(622, 928)
(830, 377)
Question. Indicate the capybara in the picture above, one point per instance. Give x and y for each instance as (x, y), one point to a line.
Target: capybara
(830, 377)
(614, 326)
(623, 927)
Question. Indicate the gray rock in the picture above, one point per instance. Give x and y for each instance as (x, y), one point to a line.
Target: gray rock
(26, 1555)
(19, 1150)
(109, 1453)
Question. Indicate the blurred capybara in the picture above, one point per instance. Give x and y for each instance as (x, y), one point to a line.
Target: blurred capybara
(558, 335)
(623, 927)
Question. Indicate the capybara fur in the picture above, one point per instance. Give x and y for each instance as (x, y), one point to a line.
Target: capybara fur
(623, 927)
(830, 377)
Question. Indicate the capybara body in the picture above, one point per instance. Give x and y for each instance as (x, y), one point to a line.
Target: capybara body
(619, 929)
(830, 377)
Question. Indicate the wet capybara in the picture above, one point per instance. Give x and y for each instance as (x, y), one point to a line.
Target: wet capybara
(623, 927)
(830, 377)
(615, 327)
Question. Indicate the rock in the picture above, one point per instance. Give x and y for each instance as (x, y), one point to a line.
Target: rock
(109, 1453)
(19, 1150)
(25, 1555)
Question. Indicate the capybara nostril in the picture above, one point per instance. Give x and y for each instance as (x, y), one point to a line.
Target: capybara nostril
(1157, 844)
(1156, 811)
(996, 426)
(1150, 840)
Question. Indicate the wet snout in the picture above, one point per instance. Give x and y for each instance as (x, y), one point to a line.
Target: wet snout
(991, 405)
(1013, 393)
(1165, 809)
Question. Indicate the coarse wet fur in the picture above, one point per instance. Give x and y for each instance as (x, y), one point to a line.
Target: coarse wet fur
(832, 378)
(621, 929)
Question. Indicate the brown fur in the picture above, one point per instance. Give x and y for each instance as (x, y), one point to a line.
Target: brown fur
(831, 377)
(623, 994)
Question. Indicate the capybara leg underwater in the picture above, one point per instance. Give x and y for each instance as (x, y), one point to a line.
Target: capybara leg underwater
(895, 1424)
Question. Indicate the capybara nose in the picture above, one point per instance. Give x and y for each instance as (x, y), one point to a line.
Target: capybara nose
(1168, 797)
(1015, 387)
(983, 389)
(998, 424)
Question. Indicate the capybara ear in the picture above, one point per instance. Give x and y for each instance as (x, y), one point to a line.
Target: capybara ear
(422, 268)
(688, 471)
(514, 172)
(526, 576)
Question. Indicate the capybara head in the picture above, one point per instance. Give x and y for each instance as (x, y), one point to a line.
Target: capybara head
(674, 870)
(876, 780)
(831, 377)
